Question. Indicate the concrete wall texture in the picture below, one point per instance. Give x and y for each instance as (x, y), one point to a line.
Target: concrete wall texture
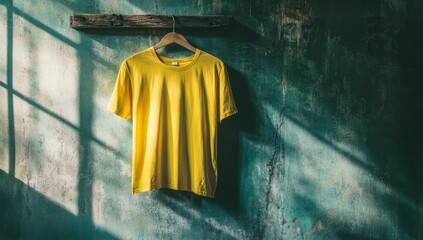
(326, 144)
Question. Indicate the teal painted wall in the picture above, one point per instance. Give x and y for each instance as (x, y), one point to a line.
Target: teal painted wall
(326, 144)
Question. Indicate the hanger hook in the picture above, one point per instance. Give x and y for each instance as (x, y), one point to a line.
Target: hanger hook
(173, 24)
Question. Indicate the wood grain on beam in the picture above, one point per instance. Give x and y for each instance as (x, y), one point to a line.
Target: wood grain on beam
(146, 21)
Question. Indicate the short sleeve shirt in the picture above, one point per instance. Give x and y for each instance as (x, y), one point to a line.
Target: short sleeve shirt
(175, 105)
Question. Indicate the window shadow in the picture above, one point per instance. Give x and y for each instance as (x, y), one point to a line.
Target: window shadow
(86, 106)
(355, 82)
(392, 140)
(16, 196)
(9, 87)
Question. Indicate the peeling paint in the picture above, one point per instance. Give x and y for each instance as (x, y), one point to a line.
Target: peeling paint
(217, 6)
(298, 21)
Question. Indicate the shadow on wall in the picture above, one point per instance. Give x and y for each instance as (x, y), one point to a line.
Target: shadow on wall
(355, 87)
(266, 78)
(330, 92)
(43, 217)
(248, 43)
(229, 165)
(15, 196)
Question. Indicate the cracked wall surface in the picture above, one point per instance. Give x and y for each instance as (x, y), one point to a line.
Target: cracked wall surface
(325, 145)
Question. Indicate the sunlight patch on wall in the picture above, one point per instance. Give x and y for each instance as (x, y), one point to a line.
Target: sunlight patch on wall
(3, 46)
(99, 195)
(52, 14)
(119, 7)
(326, 187)
(107, 125)
(4, 133)
(110, 53)
(46, 155)
(46, 70)
(217, 219)
(218, 224)
(111, 191)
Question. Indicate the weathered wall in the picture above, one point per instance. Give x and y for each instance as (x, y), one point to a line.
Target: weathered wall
(326, 144)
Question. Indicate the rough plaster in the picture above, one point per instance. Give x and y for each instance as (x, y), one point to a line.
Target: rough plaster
(325, 144)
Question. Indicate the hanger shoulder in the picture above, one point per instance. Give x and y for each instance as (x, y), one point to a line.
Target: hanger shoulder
(184, 44)
(169, 38)
(174, 37)
(178, 35)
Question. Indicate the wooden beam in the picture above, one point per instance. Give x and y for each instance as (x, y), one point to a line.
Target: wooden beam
(146, 21)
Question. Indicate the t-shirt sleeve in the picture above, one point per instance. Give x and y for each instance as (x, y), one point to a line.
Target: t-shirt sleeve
(120, 102)
(226, 104)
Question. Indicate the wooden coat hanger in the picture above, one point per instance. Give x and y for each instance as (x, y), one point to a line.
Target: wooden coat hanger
(174, 37)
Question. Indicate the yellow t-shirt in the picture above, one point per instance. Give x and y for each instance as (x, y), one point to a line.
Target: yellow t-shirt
(175, 104)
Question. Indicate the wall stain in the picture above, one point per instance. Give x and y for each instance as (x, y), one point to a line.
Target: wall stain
(217, 6)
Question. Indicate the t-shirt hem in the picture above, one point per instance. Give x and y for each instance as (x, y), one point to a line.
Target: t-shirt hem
(183, 188)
